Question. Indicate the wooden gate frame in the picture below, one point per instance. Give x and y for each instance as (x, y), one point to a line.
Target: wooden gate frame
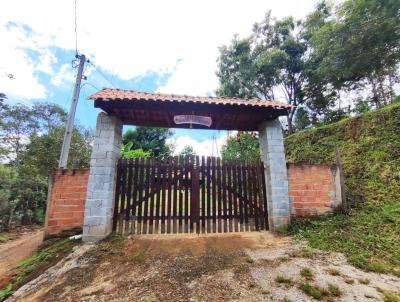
(236, 205)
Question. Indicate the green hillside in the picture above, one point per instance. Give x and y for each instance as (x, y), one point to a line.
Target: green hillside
(370, 147)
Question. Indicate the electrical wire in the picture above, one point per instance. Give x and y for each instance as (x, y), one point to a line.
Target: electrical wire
(102, 74)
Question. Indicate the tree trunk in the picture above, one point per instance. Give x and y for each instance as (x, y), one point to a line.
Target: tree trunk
(290, 124)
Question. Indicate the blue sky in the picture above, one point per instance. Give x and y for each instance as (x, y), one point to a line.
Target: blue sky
(164, 46)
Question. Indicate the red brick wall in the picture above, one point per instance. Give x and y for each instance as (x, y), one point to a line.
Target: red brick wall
(66, 200)
(312, 189)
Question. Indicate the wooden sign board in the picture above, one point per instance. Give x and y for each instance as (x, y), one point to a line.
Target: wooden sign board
(193, 119)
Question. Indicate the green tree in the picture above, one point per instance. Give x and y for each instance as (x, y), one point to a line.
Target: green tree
(17, 124)
(43, 152)
(148, 139)
(361, 47)
(273, 59)
(243, 147)
(187, 151)
(33, 137)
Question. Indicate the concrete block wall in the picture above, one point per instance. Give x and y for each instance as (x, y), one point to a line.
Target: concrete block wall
(66, 200)
(313, 189)
(101, 186)
(273, 155)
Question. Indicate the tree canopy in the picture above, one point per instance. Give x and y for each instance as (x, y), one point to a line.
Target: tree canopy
(312, 63)
(31, 140)
(153, 140)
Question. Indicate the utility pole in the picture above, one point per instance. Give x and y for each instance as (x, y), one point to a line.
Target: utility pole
(71, 116)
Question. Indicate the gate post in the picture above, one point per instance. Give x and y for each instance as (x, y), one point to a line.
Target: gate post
(101, 186)
(276, 177)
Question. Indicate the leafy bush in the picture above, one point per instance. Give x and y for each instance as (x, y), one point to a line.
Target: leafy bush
(22, 199)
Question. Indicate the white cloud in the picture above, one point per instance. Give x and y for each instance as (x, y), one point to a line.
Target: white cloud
(18, 70)
(208, 147)
(130, 38)
(65, 75)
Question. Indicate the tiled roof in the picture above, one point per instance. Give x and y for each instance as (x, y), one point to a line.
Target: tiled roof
(132, 95)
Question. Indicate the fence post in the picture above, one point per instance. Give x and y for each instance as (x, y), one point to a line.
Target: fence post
(342, 185)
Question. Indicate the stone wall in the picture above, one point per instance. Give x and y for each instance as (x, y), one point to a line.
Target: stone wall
(66, 200)
(314, 190)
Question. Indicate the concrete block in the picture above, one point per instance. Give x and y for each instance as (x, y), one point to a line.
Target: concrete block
(99, 203)
(273, 156)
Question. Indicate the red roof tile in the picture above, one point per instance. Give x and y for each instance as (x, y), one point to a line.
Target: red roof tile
(132, 95)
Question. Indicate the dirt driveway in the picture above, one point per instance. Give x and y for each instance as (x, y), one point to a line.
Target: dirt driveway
(237, 267)
(14, 251)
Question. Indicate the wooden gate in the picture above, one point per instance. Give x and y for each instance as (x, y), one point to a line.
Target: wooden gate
(189, 195)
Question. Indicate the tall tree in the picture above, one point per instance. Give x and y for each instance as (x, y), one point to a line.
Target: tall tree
(187, 150)
(274, 59)
(148, 139)
(361, 47)
(244, 147)
(17, 124)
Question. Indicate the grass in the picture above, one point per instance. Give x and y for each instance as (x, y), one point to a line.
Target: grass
(320, 293)
(370, 144)
(281, 279)
(334, 272)
(389, 296)
(50, 253)
(4, 238)
(334, 290)
(349, 281)
(364, 281)
(307, 274)
(314, 291)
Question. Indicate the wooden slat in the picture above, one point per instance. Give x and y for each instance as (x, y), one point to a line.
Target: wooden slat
(169, 194)
(163, 194)
(181, 193)
(117, 196)
(246, 197)
(203, 195)
(140, 196)
(128, 197)
(151, 195)
(235, 197)
(213, 195)
(219, 195)
(175, 195)
(122, 199)
(194, 210)
(257, 213)
(264, 195)
(229, 192)
(224, 196)
(145, 208)
(251, 198)
(208, 211)
(135, 195)
(240, 191)
(186, 207)
(158, 198)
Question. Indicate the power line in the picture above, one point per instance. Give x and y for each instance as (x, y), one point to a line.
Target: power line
(103, 75)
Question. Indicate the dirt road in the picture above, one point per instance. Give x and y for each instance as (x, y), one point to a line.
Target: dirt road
(235, 267)
(14, 251)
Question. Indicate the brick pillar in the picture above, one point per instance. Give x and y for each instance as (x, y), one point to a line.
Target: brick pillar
(101, 187)
(276, 177)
